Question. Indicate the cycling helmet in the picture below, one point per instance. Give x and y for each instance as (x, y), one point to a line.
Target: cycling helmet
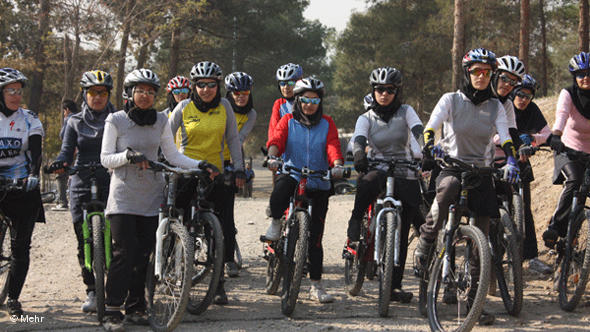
(579, 62)
(96, 78)
(238, 81)
(368, 101)
(9, 75)
(480, 55)
(289, 72)
(139, 76)
(309, 84)
(178, 82)
(528, 82)
(512, 65)
(386, 75)
(206, 69)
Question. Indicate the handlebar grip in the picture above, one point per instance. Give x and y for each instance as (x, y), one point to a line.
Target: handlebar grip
(347, 173)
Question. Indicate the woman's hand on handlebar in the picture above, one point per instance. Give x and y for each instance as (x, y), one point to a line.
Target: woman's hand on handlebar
(212, 169)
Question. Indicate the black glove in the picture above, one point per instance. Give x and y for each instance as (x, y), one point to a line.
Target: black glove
(240, 175)
(135, 157)
(56, 165)
(555, 143)
(428, 164)
(361, 164)
(427, 149)
(525, 150)
(205, 165)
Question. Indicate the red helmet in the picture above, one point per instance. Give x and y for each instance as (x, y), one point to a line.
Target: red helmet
(178, 82)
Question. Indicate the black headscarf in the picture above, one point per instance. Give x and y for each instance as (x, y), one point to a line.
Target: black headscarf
(203, 106)
(307, 120)
(95, 119)
(386, 112)
(7, 112)
(530, 120)
(476, 96)
(171, 102)
(140, 116)
(239, 109)
(580, 98)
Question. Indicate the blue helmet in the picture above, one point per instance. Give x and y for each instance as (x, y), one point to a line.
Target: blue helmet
(579, 62)
(238, 81)
(368, 101)
(528, 82)
(480, 55)
(289, 72)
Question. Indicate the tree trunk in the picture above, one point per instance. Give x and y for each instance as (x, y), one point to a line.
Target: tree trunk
(143, 54)
(34, 103)
(123, 52)
(67, 68)
(458, 44)
(545, 59)
(174, 49)
(583, 27)
(523, 48)
(75, 53)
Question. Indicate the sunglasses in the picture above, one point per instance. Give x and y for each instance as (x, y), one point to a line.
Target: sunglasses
(13, 91)
(150, 93)
(94, 93)
(180, 91)
(241, 93)
(479, 71)
(524, 95)
(314, 101)
(508, 80)
(289, 83)
(202, 85)
(582, 73)
(389, 89)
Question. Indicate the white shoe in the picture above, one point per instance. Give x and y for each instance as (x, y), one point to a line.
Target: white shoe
(90, 304)
(274, 230)
(318, 292)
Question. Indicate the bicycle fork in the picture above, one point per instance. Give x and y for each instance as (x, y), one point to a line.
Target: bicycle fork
(395, 207)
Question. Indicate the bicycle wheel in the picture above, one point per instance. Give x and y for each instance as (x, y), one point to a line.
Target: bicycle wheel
(238, 255)
(470, 279)
(386, 267)
(354, 266)
(507, 261)
(208, 263)
(98, 263)
(168, 296)
(273, 268)
(518, 219)
(294, 261)
(48, 197)
(574, 266)
(5, 253)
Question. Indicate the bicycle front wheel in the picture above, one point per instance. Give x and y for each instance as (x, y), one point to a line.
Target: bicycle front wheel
(354, 265)
(273, 269)
(507, 261)
(5, 253)
(98, 263)
(168, 295)
(294, 261)
(574, 267)
(387, 249)
(208, 263)
(518, 218)
(468, 280)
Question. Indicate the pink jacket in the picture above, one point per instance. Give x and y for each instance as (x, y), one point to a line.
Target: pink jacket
(575, 127)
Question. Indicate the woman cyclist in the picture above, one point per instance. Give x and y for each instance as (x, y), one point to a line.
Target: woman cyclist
(239, 94)
(20, 158)
(571, 131)
(286, 77)
(178, 89)
(470, 117)
(131, 138)
(206, 122)
(386, 128)
(83, 133)
(306, 138)
(508, 74)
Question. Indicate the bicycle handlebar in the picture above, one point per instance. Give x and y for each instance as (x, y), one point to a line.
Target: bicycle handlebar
(306, 172)
(157, 166)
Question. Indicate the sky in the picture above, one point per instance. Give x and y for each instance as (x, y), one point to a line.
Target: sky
(333, 13)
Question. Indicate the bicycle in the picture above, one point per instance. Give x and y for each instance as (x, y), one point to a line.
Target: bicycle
(382, 217)
(170, 266)
(449, 266)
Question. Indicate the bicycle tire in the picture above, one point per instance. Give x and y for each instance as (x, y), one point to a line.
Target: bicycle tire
(518, 218)
(475, 236)
(508, 266)
(178, 252)
(5, 254)
(575, 267)
(48, 197)
(354, 268)
(208, 261)
(386, 266)
(98, 264)
(238, 254)
(295, 259)
(273, 271)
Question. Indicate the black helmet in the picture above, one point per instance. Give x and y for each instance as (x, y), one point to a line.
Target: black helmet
(96, 78)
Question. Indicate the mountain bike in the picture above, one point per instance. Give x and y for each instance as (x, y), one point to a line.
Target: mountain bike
(171, 264)
(459, 264)
(380, 237)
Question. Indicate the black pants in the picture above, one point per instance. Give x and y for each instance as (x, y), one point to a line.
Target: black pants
(530, 249)
(369, 187)
(134, 238)
(574, 175)
(23, 209)
(279, 202)
(87, 276)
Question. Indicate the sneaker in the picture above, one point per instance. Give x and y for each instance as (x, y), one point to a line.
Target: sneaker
(421, 255)
(398, 295)
(274, 230)
(550, 238)
(60, 207)
(486, 318)
(137, 318)
(450, 294)
(539, 266)
(14, 307)
(318, 292)
(231, 268)
(90, 304)
(220, 295)
(113, 321)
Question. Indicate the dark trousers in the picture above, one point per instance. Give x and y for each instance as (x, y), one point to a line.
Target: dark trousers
(62, 188)
(279, 202)
(87, 276)
(530, 249)
(23, 209)
(574, 175)
(134, 238)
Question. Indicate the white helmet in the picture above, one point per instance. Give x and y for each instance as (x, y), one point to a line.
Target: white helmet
(309, 84)
(512, 65)
(206, 69)
(136, 77)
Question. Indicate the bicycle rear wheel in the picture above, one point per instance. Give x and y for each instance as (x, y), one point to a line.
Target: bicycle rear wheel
(208, 263)
(574, 267)
(470, 279)
(5, 253)
(294, 261)
(355, 264)
(168, 296)
(386, 267)
(507, 261)
(98, 263)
